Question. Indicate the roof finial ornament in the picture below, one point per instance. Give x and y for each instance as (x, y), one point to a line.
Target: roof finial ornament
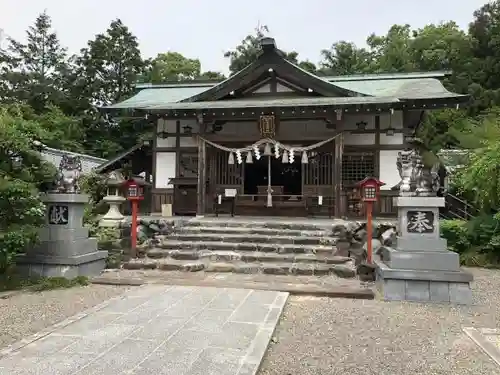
(267, 43)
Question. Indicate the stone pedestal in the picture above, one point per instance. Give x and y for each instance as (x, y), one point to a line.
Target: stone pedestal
(65, 248)
(113, 217)
(420, 268)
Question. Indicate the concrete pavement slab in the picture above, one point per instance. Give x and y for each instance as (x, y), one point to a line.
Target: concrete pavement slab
(156, 330)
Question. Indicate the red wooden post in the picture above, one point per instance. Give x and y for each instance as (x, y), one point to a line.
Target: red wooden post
(370, 189)
(133, 229)
(135, 193)
(369, 231)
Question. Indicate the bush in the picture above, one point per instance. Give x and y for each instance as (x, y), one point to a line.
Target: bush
(22, 171)
(477, 241)
(456, 233)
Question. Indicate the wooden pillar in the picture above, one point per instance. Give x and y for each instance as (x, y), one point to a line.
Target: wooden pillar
(339, 150)
(202, 168)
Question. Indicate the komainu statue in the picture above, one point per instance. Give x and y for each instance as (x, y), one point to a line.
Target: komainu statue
(69, 172)
(417, 179)
(405, 167)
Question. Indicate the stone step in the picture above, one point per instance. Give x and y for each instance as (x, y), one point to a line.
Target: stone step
(254, 238)
(245, 256)
(244, 246)
(235, 223)
(243, 267)
(254, 231)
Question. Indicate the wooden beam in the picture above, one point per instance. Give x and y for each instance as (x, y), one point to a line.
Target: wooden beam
(377, 144)
(201, 188)
(339, 150)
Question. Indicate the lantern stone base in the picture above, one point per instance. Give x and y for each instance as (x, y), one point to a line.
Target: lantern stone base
(113, 217)
(65, 248)
(420, 268)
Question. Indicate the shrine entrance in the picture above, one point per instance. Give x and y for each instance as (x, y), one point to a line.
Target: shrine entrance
(268, 178)
(285, 179)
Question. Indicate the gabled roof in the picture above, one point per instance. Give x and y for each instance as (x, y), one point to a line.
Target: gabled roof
(271, 61)
(398, 86)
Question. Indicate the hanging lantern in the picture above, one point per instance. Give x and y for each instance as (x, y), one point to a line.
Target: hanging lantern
(238, 157)
(267, 150)
(256, 151)
(249, 157)
(276, 151)
(231, 158)
(285, 157)
(291, 156)
(304, 158)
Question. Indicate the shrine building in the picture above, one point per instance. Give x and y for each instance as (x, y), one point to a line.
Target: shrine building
(274, 139)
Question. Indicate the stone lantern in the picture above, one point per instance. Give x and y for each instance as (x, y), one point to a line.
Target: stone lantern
(114, 198)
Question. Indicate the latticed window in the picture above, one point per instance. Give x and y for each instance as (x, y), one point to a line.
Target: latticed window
(356, 166)
(319, 170)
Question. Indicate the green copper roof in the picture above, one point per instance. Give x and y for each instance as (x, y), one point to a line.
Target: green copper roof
(273, 103)
(420, 88)
(408, 88)
(152, 96)
(272, 63)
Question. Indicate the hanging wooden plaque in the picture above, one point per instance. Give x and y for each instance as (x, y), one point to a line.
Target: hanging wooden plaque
(267, 126)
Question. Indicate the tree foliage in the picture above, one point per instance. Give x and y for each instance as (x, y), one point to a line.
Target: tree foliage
(22, 173)
(249, 50)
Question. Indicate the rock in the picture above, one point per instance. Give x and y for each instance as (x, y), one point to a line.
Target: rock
(388, 237)
(154, 227)
(343, 248)
(383, 227)
(366, 272)
(376, 244)
(339, 230)
(360, 235)
(343, 272)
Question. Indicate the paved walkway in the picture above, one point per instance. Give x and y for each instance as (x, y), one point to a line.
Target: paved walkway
(156, 330)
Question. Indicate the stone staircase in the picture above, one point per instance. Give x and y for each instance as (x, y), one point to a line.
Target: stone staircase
(270, 247)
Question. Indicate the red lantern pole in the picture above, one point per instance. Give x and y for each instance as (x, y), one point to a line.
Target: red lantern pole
(369, 231)
(133, 234)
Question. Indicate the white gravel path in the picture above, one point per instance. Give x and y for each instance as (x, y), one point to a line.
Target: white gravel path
(324, 336)
(27, 313)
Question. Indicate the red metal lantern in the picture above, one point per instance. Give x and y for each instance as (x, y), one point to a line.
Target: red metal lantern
(370, 189)
(134, 191)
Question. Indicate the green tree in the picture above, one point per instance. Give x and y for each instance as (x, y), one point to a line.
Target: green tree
(249, 49)
(391, 51)
(210, 75)
(22, 172)
(481, 179)
(34, 73)
(344, 58)
(173, 66)
(106, 72)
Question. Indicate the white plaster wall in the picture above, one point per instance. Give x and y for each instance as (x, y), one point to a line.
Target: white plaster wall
(165, 169)
(396, 122)
(396, 139)
(388, 171)
(262, 89)
(282, 88)
(188, 142)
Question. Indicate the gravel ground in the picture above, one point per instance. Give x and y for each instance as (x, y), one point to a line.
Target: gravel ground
(24, 314)
(323, 336)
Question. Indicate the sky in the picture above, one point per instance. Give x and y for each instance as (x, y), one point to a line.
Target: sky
(206, 29)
